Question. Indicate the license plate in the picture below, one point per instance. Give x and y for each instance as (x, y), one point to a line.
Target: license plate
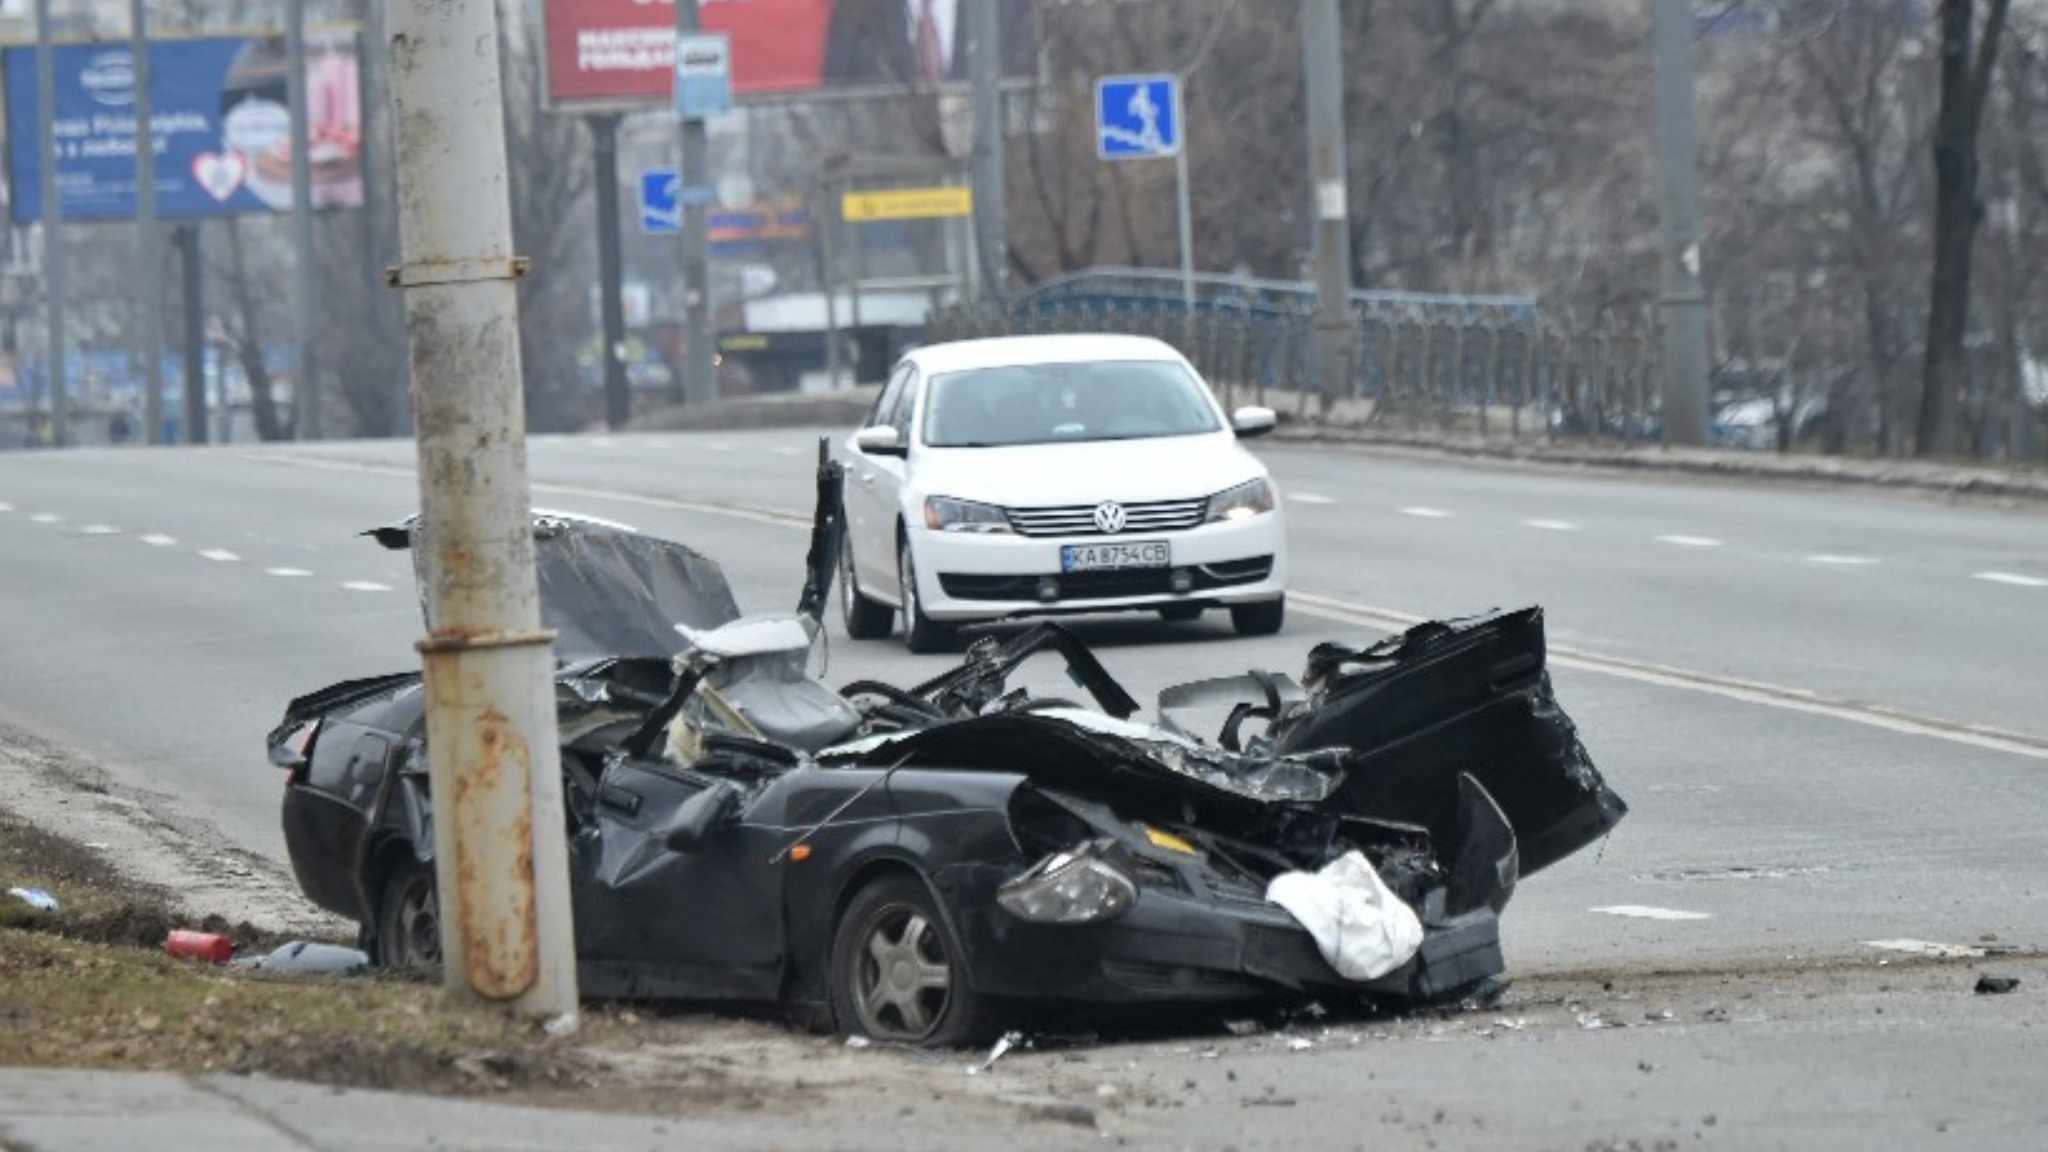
(1109, 557)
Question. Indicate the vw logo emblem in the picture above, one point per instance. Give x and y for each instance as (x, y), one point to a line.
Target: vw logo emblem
(1109, 516)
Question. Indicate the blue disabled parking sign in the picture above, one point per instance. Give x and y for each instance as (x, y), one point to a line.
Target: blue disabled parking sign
(663, 196)
(1137, 117)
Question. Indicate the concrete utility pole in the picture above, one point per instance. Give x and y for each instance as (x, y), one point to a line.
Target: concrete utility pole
(1684, 303)
(1323, 63)
(700, 375)
(53, 229)
(604, 153)
(985, 66)
(307, 424)
(501, 860)
(193, 280)
(150, 277)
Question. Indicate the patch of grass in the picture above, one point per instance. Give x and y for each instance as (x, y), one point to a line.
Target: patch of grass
(90, 987)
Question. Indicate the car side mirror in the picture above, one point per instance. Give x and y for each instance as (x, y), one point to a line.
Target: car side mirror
(880, 440)
(698, 817)
(1251, 421)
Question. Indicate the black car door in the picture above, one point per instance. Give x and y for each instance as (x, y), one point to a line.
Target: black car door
(655, 922)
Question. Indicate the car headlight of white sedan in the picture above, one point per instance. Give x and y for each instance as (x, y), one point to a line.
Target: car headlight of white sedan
(945, 514)
(1242, 502)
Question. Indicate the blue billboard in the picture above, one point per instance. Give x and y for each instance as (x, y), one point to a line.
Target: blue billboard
(220, 120)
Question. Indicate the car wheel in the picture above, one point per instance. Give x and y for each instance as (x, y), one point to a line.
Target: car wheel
(920, 632)
(1259, 619)
(898, 974)
(865, 619)
(409, 918)
(1181, 612)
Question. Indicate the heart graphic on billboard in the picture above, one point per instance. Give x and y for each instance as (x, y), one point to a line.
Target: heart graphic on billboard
(220, 173)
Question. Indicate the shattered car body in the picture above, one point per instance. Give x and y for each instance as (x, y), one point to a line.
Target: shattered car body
(905, 862)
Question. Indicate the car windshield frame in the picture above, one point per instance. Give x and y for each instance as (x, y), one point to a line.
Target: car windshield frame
(1065, 402)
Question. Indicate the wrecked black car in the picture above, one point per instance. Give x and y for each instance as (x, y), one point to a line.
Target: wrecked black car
(906, 863)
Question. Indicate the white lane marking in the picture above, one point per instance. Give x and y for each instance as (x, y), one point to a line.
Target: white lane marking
(158, 540)
(780, 518)
(1690, 541)
(99, 530)
(595, 441)
(287, 573)
(1645, 912)
(1845, 561)
(718, 446)
(366, 586)
(219, 556)
(2012, 578)
(785, 451)
(5, 506)
(1929, 948)
(1730, 688)
(1309, 498)
(1551, 525)
(47, 518)
(1426, 513)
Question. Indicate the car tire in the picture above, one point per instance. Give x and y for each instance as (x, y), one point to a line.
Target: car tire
(1262, 618)
(898, 972)
(921, 633)
(1180, 613)
(865, 619)
(409, 918)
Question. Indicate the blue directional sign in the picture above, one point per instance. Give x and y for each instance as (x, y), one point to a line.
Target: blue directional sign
(663, 196)
(1137, 117)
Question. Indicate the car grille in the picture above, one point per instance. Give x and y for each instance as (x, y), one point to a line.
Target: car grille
(1106, 585)
(1079, 519)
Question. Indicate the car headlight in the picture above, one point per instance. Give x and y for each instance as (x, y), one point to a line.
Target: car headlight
(1077, 886)
(1247, 499)
(945, 514)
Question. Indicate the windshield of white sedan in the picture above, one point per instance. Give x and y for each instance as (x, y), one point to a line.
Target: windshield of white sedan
(1065, 403)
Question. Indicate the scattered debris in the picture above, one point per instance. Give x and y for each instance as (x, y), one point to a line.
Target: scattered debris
(1243, 1027)
(1002, 1048)
(37, 899)
(1645, 912)
(1988, 985)
(306, 958)
(1929, 948)
(208, 946)
(859, 1042)
(1300, 1044)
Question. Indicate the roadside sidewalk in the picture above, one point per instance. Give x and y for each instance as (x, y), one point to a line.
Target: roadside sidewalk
(69, 1111)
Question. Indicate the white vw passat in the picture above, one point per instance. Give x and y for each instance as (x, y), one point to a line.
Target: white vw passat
(1036, 475)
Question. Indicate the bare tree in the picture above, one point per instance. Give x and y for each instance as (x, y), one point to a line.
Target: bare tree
(1966, 65)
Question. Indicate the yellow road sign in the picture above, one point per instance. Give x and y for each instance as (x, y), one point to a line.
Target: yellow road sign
(907, 203)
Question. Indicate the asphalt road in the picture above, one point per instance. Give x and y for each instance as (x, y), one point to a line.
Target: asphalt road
(1825, 708)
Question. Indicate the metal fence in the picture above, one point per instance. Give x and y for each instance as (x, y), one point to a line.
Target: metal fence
(1492, 366)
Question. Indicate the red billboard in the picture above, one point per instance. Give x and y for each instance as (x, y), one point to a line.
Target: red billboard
(621, 52)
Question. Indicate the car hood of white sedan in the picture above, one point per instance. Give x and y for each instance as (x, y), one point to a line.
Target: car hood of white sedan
(1127, 471)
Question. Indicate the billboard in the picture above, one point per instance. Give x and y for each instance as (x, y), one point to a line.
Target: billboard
(620, 53)
(220, 121)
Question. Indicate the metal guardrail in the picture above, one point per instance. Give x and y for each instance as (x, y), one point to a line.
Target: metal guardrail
(1492, 365)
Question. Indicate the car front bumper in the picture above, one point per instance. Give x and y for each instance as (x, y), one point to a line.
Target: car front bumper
(963, 576)
(1177, 947)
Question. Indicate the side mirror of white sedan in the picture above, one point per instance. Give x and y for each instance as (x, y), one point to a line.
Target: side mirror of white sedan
(880, 440)
(1250, 422)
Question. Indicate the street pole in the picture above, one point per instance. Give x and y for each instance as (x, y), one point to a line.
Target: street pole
(700, 377)
(604, 149)
(984, 65)
(307, 423)
(150, 274)
(53, 229)
(1187, 226)
(500, 856)
(1322, 60)
(193, 279)
(1684, 301)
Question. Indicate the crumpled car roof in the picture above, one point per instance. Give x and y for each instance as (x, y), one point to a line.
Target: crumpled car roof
(605, 589)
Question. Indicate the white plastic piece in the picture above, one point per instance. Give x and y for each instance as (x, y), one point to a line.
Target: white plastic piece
(1359, 925)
